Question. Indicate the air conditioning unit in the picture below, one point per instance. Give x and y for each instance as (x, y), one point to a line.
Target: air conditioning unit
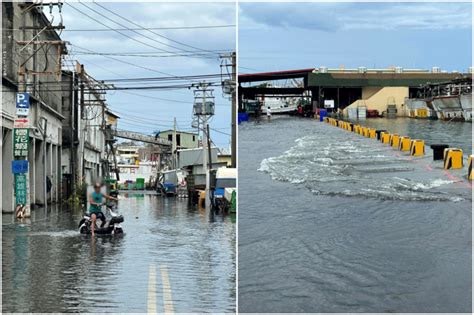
(362, 69)
(398, 69)
(323, 69)
(435, 70)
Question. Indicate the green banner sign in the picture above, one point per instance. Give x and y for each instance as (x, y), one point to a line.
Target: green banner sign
(20, 188)
(21, 140)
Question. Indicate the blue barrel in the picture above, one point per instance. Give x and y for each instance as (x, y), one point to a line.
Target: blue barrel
(242, 117)
(322, 113)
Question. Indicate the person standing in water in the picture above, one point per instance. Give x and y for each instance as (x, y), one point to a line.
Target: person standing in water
(97, 200)
(269, 113)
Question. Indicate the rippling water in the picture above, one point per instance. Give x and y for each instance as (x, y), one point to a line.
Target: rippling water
(333, 222)
(49, 267)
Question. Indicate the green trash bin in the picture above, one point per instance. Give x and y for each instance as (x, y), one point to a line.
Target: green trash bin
(140, 183)
(233, 201)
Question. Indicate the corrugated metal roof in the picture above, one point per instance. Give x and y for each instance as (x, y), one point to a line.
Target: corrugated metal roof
(378, 79)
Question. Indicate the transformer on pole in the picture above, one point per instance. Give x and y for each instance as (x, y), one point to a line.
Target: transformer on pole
(203, 109)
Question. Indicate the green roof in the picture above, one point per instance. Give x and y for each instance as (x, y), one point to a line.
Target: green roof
(379, 79)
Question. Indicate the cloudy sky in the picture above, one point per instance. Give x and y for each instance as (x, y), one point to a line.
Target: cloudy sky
(146, 111)
(279, 36)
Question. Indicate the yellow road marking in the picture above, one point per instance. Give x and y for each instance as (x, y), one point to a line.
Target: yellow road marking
(167, 298)
(152, 289)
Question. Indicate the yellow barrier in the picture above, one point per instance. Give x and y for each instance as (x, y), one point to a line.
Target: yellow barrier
(452, 158)
(404, 144)
(421, 113)
(365, 131)
(385, 137)
(417, 148)
(372, 133)
(394, 140)
(469, 167)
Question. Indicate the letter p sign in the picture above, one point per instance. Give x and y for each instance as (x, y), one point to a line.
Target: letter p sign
(22, 104)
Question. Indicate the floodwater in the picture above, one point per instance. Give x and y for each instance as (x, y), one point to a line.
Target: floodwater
(171, 258)
(330, 221)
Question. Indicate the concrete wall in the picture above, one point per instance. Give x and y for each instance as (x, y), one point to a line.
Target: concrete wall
(379, 97)
(187, 140)
(146, 170)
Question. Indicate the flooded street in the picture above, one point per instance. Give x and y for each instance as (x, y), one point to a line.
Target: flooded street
(333, 222)
(171, 258)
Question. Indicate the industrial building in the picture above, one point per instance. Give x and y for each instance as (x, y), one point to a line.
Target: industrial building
(347, 88)
(184, 139)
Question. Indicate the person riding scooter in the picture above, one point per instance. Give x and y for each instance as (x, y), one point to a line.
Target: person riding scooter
(96, 199)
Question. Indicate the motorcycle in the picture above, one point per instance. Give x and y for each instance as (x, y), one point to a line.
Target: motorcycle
(111, 226)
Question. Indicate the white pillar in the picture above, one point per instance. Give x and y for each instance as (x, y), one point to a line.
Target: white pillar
(39, 172)
(8, 202)
(32, 166)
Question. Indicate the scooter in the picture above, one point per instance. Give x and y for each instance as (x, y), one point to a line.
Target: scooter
(111, 226)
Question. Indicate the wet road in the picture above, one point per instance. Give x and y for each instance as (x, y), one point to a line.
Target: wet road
(333, 222)
(172, 258)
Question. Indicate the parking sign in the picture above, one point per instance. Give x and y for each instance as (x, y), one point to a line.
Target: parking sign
(22, 104)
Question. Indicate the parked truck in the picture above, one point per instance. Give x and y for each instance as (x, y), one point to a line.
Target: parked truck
(221, 192)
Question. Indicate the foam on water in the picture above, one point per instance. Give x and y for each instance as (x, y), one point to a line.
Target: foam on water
(65, 233)
(352, 168)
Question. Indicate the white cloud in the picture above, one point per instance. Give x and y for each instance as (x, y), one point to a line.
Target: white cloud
(153, 14)
(336, 16)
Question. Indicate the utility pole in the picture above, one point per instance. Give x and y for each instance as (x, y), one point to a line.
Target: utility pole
(234, 110)
(206, 157)
(174, 146)
(204, 108)
(229, 86)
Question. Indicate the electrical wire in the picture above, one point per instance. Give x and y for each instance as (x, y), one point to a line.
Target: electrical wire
(129, 63)
(137, 29)
(155, 33)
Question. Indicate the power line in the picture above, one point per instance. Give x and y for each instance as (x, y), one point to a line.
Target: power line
(136, 32)
(152, 55)
(148, 118)
(166, 79)
(115, 30)
(135, 29)
(155, 33)
(130, 63)
(224, 133)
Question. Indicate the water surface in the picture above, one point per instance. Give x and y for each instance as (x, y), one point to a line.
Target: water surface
(49, 267)
(333, 222)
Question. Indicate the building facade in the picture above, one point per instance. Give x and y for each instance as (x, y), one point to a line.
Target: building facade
(184, 140)
(66, 137)
(39, 75)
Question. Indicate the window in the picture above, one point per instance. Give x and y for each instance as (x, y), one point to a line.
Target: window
(178, 140)
(194, 138)
(170, 137)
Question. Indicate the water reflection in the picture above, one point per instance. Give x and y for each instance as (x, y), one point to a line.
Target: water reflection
(49, 267)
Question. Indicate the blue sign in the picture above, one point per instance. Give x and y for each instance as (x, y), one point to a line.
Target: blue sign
(19, 166)
(22, 104)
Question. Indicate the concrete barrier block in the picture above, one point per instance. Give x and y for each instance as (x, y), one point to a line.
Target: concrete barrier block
(453, 158)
